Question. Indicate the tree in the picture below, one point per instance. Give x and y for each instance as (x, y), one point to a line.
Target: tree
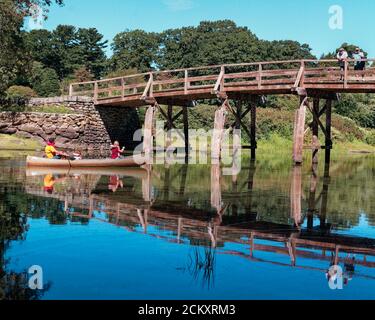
(41, 47)
(134, 49)
(91, 50)
(65, 42)
(82, 75)
(45, 81)
(12, 52)
(222, 42)
(20, 92)
(66, 49)
(11, 44)
(210, 43)
(286, 50)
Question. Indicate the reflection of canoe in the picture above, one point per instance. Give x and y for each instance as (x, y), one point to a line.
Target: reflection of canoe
(139, 173)
(132, 161)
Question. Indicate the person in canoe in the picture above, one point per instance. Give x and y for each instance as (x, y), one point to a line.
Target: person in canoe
(116, 151)
(51, 152)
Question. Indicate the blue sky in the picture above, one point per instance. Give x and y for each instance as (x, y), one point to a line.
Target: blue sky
(303, 20)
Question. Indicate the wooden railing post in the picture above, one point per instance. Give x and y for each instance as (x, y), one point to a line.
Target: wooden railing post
(260, 70)
(122, 87)
(71, 92)
(149, 91)
(186, 84)
(96, 94)
(222, 82)
(346, 74)
(303, 67)
(151, 84)
(219, 85)
(300, 80)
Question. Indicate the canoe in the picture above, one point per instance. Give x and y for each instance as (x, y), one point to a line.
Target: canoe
(132, 161)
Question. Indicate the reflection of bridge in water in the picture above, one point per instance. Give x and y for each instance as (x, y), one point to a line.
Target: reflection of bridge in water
(181, 224)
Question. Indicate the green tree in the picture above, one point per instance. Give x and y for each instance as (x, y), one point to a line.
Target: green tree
(65, 42)
(91, 50)
(11, 44)
(12, 52)
(42, 48)
(210, 43)
(45, 81)
(222, 42)
(82, 75)
(134, 49)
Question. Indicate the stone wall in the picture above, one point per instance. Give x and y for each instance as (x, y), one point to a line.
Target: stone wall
(88, 127)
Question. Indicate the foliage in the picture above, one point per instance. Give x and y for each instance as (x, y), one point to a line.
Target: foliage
(370, 138)
(20, 92)
(82, 75)
(13, 59)
(67, 49)
(134, 49)
(11, 44)
(359, 107)
(44, 80)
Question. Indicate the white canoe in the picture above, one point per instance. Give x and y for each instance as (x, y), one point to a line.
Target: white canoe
(132, 161)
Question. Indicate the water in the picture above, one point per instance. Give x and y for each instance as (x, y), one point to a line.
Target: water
(183, 232)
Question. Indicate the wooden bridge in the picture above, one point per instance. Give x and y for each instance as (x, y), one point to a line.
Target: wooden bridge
(246, 82)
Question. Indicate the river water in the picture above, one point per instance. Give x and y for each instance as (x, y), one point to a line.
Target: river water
(188, 232)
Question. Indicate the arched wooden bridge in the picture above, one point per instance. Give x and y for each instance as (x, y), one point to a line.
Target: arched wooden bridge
(316, 79)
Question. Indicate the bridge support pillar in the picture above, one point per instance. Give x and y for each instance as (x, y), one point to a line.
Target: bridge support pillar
(186, 132)
(217, 137)
(299, 132)
(328, 135)
(149, 133)
(253, 130)
(315, 132)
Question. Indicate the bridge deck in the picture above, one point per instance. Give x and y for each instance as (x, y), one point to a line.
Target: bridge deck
(180, 87)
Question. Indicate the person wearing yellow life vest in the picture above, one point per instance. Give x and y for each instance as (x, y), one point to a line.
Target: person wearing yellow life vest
(50, 150)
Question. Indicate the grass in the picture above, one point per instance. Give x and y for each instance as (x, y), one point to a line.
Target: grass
(8, 142)
(42, 109)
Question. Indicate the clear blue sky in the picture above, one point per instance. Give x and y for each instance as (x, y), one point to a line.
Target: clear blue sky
(303, 20)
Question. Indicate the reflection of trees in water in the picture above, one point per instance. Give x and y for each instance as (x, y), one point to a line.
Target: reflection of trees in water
(13, 286)
(201, 265)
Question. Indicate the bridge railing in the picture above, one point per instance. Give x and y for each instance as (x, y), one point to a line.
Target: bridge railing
(237, 77)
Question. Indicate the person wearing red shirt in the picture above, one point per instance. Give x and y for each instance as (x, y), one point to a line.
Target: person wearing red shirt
(116, 151)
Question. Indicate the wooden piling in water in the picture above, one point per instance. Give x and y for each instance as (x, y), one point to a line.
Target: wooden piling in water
(149, 128)
(299, 132)
(217, 137)
(253, 115)
(328, 131)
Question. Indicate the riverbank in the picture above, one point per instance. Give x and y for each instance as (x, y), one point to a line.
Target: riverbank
(274, 144)
(12, 142)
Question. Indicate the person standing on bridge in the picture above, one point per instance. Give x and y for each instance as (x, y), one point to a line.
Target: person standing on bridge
(342, 56)
(360, 63)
